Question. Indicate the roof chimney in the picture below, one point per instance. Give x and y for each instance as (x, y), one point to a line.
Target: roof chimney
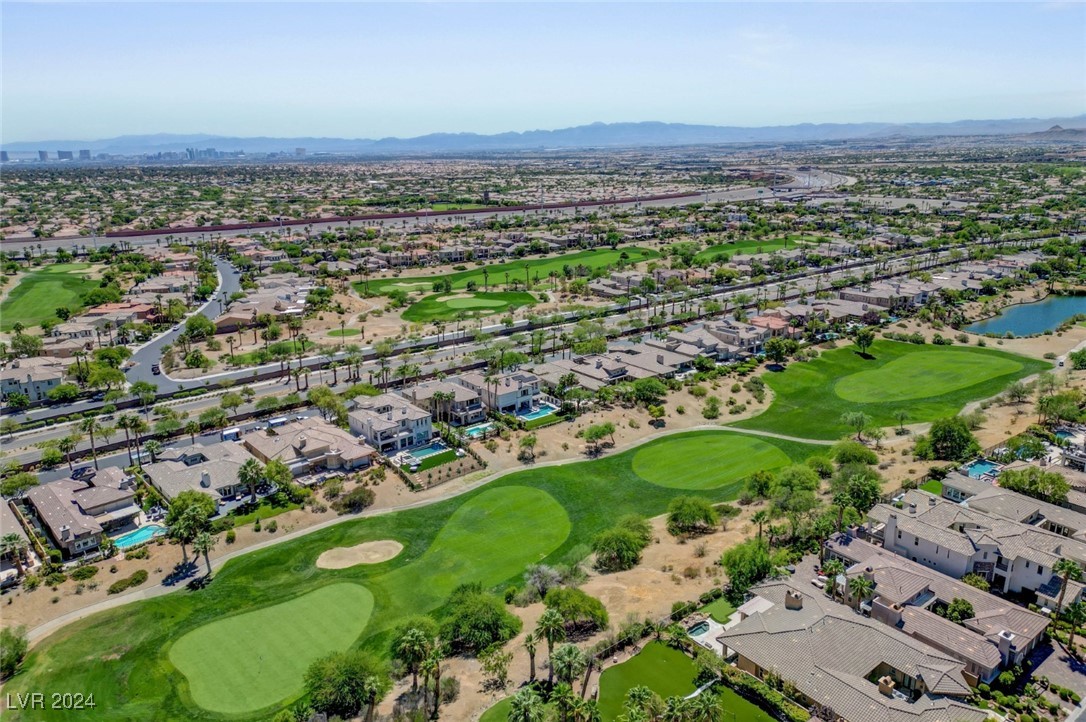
(886, 685)
(912, 507)
(793, 600)
(660, 359)
(205, 479)
(301, 441)
(1007, 647)
(931, 501)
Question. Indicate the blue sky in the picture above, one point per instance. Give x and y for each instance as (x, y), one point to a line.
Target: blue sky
(88, 71)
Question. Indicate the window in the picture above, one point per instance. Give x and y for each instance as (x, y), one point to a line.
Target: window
(1040, 569)
(916, 541)
(898, 533)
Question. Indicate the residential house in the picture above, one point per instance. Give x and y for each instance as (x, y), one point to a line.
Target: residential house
(449, 401)
(211, 469)
(76, 513)
(310, 445)
(508, 393)
(844, 666)
(390, 423)
(35, 377)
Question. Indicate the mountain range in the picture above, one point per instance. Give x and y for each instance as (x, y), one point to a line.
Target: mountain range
(595, 135)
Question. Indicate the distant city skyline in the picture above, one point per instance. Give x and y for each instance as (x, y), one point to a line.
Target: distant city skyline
(92, 71)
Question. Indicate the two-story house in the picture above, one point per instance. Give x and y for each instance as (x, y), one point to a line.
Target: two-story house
(76, 513)
(509, 393)
(390, 423)
(447, 401)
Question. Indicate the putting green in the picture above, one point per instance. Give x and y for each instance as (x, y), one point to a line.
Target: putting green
(923, 374)
(490, 538)
(705, 462)
(475, 303)
(250, 661)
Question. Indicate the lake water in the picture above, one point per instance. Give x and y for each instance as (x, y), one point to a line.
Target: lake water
(1030, 318)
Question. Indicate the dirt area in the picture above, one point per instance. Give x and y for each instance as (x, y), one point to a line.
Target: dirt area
(372, 552)
(645, 592)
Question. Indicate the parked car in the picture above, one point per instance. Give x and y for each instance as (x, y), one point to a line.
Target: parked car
(156, 369)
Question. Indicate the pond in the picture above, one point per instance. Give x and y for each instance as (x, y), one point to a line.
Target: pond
(1030, 318)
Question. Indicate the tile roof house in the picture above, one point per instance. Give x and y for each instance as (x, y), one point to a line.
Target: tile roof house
(211, 469)
(77, 513)
(509, 393)
(35, 377)
(957, 539)
(464, 408)
(1000, 634)
(390, 423)
(309, 445)
(845, 666)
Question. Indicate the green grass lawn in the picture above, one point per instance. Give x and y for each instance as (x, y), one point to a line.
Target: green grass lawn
(263, 356)
(664, 670)
(705, 463)
(455, 206)
(442, 307)
(927, 382)
(344, 332)
(238, 663)
(39, 293)
(933, 486)
(488, 535)
(720, 610)
(540, 267)
(499, 712)
(442, 457)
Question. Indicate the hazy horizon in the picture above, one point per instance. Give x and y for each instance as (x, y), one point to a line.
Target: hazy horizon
(89, 71)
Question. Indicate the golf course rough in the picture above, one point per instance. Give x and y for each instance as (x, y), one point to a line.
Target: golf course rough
(489, 535)
(925, 382)
(252, 660)
(705, 462)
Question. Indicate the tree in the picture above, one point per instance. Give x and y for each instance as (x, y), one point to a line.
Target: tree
(17, 400)
(64, 393)
(542, 578)
(833, 569)
(864, 338)
(951, 440)
(649, 391)
(1036, 482)
(849, 451)
(188, 515)
(959, 610)
(527, 447)
(779, 348)
(192, 428)
(343, 683)
(569, 663)
(476, 620)
(760, 484)
(859, 588)
(90, 427)
(14, 545)
(746, 564)
(66, 445)
(1074, 615)
(976, 580)
(251, 475)
(577, 608)
(1069, 570)
(279, 476)
(153, 447)
(617, 549)
(145, 392)
(203, 543)
(858, 421)
(527, 706)
(16, 485)
(13, 648)
(761, 518)
(727, 512)
(495, 665)
(552, 628)
(231, 401)
(687, 515)
(412, 647)
(901, 416)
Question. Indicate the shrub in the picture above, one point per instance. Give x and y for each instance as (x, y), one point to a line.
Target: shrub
(231, 536)
(476, 620)
(56, 579)
(578, 608)
(13, 647)
(354, 501)
(140, 553)
(450, 689)
(273, 526)
(849, 451)
(138, 577)
(81, 574)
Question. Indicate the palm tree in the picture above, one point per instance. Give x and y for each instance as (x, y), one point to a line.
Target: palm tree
(203, 544)
(530, 645)
(568, 663)
(564, 699)
(67, 445)
(761, 518)
(551, 627)
(15, 545)
(1075, 615)
(859, 588)
(527, 706)
(251, 474)
(1069, 570)
(138, 427)
(833, 569)
(153, 447)
(90, 427)
(586, 710)
(125, 423)
(192, 428)
(413, 648)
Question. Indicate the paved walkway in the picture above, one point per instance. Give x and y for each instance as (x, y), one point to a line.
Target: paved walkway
(45, 629)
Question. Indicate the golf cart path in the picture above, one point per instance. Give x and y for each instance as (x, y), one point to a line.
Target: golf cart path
(43, 630)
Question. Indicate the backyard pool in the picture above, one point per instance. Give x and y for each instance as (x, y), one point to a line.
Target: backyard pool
(538, 413)
(1064, 434)
(698, 629)
(475, 432)
(980, 467)
(147, 532)
(423, 452)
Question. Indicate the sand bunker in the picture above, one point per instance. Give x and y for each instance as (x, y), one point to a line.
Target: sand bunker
(366, 553)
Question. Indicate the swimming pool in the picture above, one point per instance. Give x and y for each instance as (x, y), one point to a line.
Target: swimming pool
(1064, 434)
(698, 629)
(539, 413)
(980, 467)
(474, 432)
(423, 452)
(145, 533)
